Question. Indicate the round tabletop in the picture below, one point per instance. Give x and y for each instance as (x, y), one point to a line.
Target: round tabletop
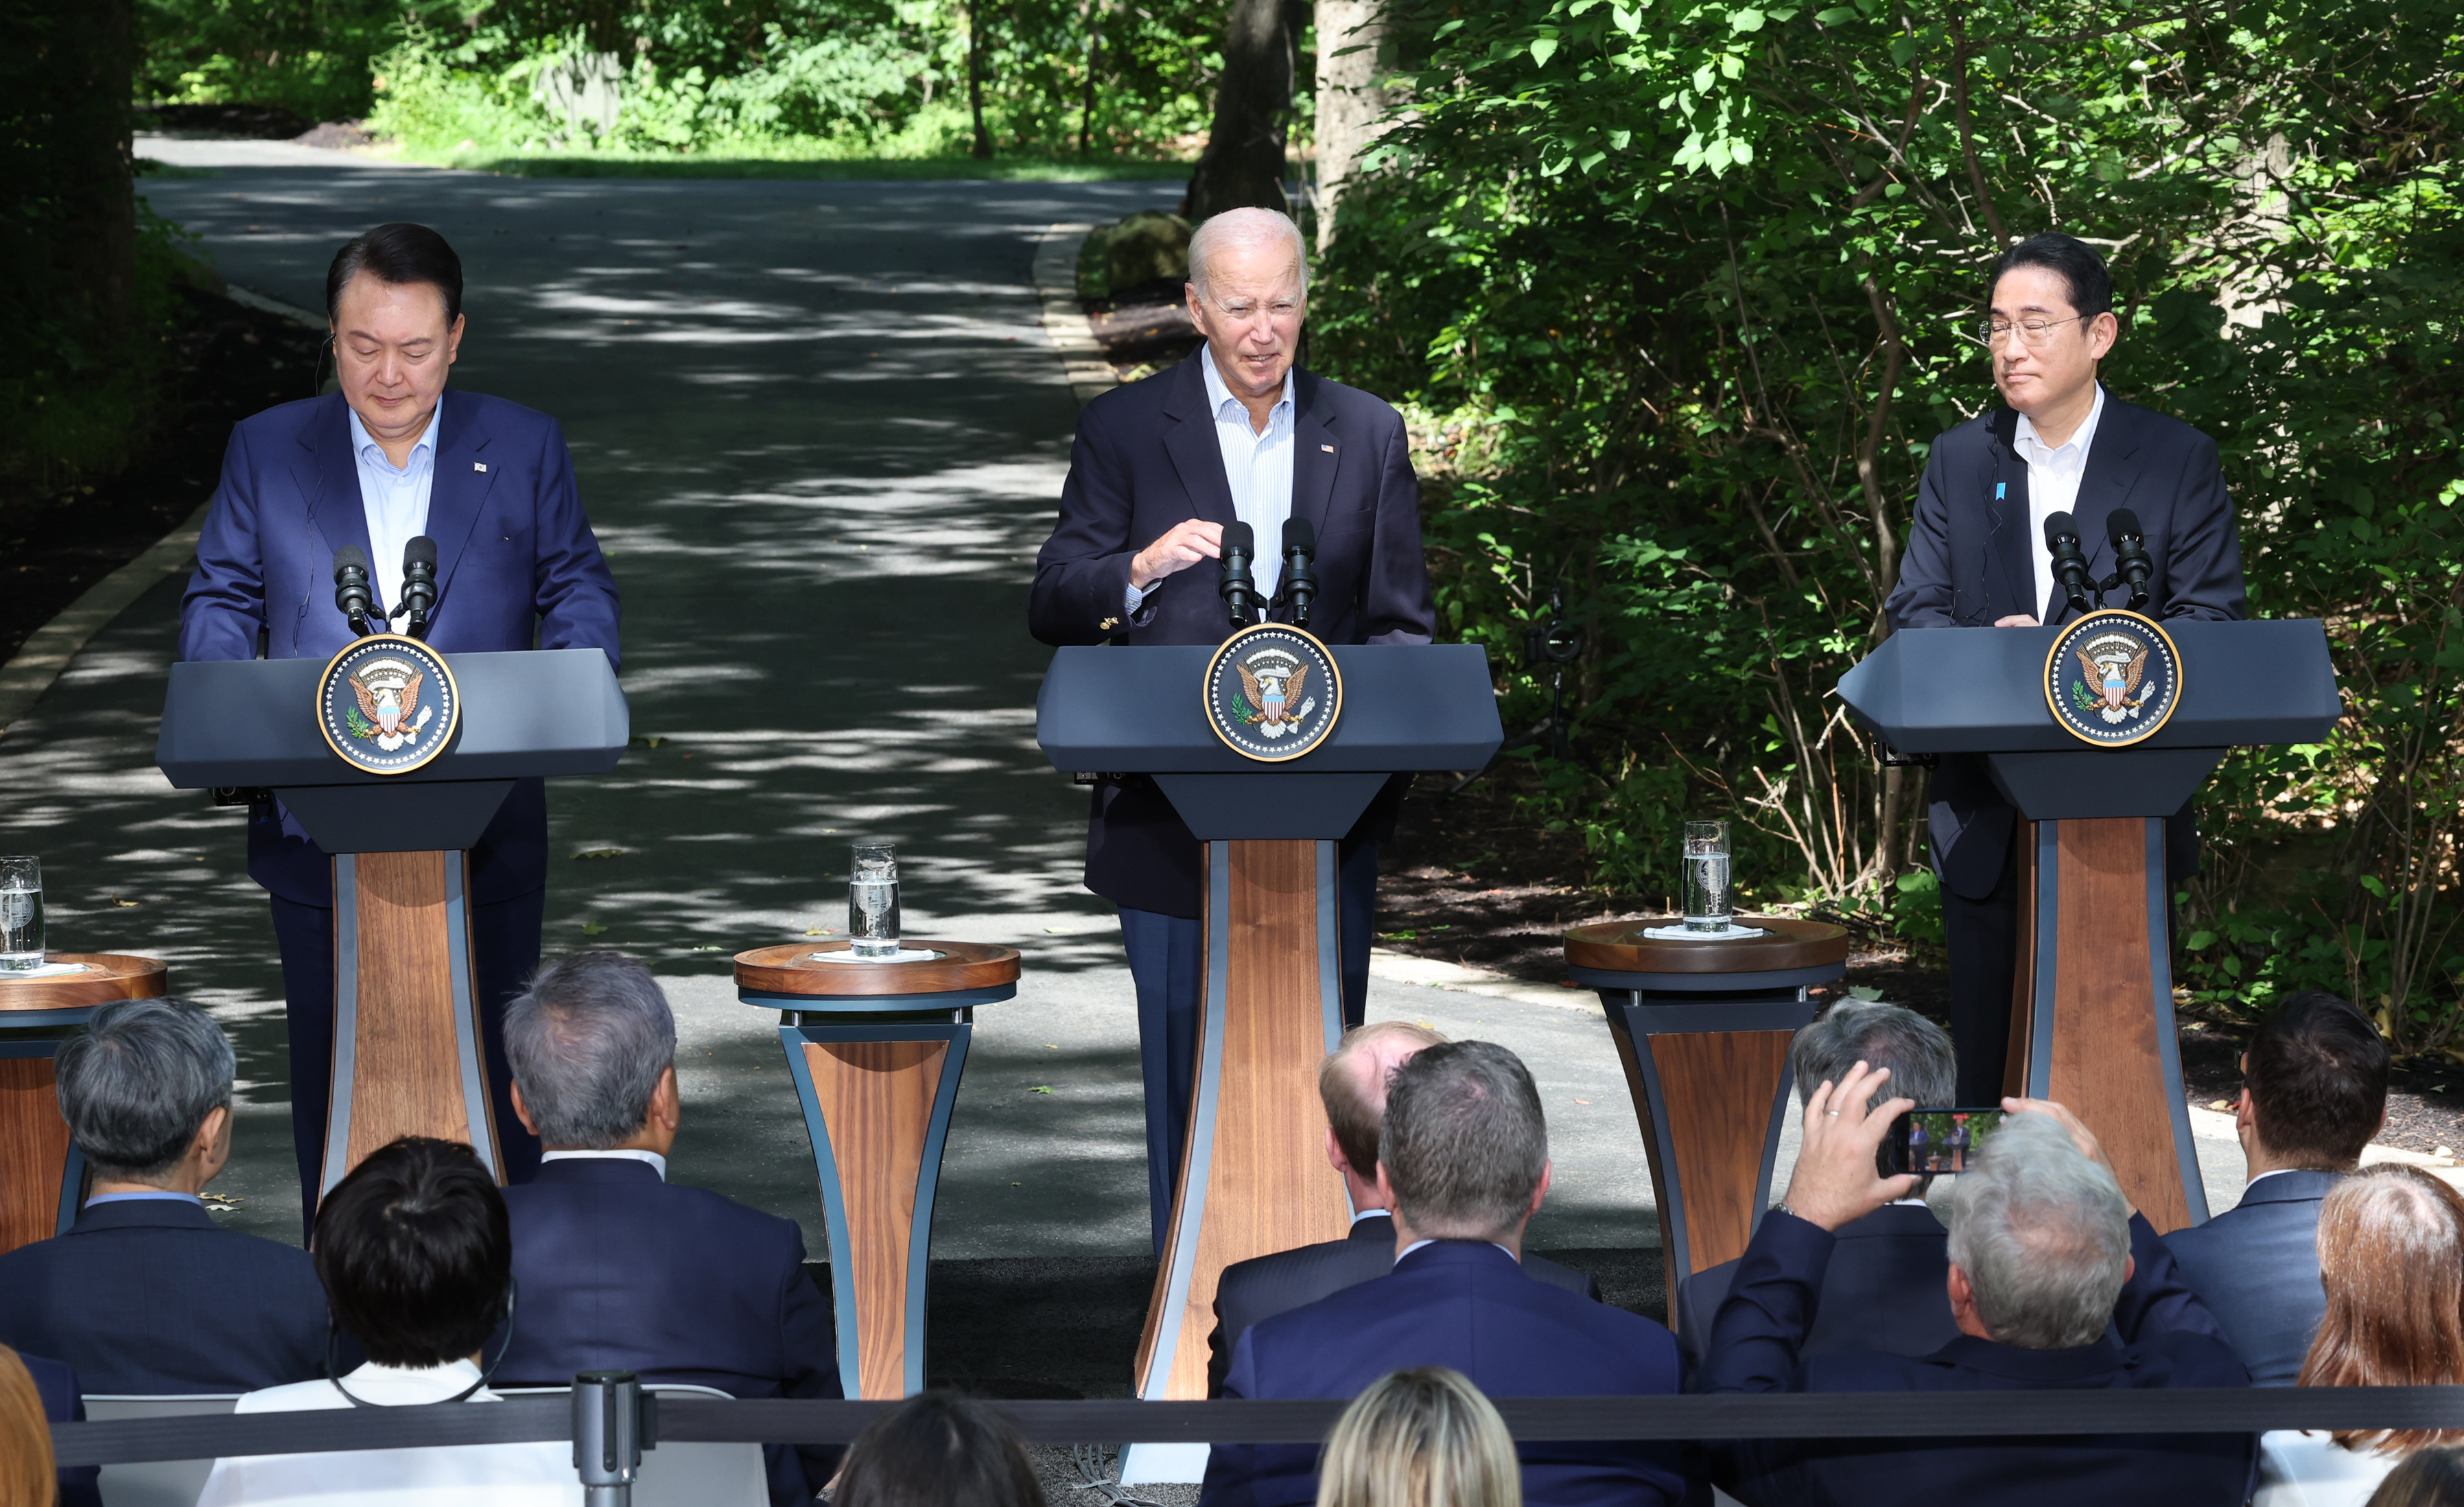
(108, 976)
(963, 967)
(1786, 945)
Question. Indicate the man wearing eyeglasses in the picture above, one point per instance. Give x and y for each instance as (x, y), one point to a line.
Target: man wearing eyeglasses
(1236, 433)
(1977, 558)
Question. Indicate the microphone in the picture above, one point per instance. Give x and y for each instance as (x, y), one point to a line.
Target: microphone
(1300, 581)
(2070, 564)
(1239, 588)
(351, 587)
(2131, 563)
(418, 583)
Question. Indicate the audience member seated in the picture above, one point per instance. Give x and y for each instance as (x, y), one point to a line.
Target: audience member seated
(2314, 1092)
(2427, 1478)
(145, 1295)
(1884, 1288)
(1352, 1085)
(1463, 1165)
(619, 1269)
(34, 1394)
(937, 1449)
(2045, 1253)
(418, 1266)
(2391, 1250)
(1424, 1437)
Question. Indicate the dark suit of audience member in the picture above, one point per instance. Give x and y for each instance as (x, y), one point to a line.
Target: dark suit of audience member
(57, 1386)
(1256, 1290)
(1882, 1289)
(1152, 458)
(2159, 1336)
(618, 1269)
(1972, 561)
(2257, 1268)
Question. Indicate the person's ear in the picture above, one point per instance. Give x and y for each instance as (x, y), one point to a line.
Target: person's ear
(1385, 1184)
(1547, 1171)
(666, 1101)
(1334, 1157)
(522, 1111)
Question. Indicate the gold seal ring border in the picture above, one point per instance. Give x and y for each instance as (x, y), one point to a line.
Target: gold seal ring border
(2070, 630)
(1206, 690)
(325, 688)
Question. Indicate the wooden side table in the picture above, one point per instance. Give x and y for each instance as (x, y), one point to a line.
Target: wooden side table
(876, 1051)
(1703, 1030)
(42, 1177)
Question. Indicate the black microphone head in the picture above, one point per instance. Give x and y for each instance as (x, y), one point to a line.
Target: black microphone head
(1241, 537)
(350, 557)
(2122, 523)
(2060, 525)
(1298, 535)
(419, 550)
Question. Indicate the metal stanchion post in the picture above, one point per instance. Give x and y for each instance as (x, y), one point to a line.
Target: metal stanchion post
(611, 1428)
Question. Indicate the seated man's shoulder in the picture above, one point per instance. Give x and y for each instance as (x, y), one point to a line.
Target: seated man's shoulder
(695, 1214)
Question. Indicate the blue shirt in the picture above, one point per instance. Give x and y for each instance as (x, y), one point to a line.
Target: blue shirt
(395, 499)
(130, 1198)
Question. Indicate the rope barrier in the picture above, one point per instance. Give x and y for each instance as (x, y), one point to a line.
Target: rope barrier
(1861, 1415)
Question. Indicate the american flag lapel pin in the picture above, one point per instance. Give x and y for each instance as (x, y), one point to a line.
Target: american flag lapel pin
(479, 465)
(1329, 449)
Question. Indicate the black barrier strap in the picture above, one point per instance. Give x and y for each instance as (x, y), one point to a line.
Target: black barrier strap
(1833, 1415)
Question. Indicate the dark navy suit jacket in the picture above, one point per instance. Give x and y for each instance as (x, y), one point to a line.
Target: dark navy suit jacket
(2257, 1268)
(1256, 1290)
(80, 1485)
(620, 1270)
(2162, 1336)
(1971, 558)
(1465, 1304)
(1147, 459)
(517, 568)
(149, 1297)
(1884, 1289)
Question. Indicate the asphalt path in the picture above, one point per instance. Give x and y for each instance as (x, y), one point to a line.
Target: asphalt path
(820, 431)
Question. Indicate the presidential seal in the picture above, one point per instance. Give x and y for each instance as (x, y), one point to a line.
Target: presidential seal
(388, 704)
(2113, 678)
(1272, 692)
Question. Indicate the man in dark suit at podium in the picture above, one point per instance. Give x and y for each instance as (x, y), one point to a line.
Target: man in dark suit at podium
(1977, 556)
(1236, 433)
(388, 459)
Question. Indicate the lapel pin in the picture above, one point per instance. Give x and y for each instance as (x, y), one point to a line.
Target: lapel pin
(1329, 449)
(478, 465)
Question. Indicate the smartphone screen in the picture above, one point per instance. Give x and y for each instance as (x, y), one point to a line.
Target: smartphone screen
(1935, 1142)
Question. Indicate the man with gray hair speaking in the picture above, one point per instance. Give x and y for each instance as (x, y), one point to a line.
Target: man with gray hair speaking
(1236, 434)
(2046, 1258)
(617, 1268)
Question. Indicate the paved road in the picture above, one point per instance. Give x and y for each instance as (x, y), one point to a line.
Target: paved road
(820, 431)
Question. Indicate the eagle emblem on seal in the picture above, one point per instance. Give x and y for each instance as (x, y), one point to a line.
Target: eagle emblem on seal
(1274, 692)
(390, 715)
(2114, 664)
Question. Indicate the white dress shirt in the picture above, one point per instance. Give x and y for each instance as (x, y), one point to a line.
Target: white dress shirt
(457, 1476)
(622, 1154)
(395, 499)
(2303, 1468)
(2054, 472)
(1258, 467)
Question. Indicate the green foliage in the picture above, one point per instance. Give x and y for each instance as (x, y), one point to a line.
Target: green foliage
(307, 55)
(1678, 295)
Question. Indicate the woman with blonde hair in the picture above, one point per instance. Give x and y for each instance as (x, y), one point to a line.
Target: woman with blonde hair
(1421, 1438)
(2391, 1257)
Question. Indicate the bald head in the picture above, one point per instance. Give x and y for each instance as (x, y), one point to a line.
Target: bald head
(1352, 1084)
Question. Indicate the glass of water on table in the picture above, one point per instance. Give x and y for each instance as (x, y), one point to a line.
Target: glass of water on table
(1706, 876)
(872, 902)
(21, 914)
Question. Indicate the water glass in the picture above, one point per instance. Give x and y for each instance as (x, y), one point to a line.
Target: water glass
(872, 900)
(1706, 876)
(21, 914)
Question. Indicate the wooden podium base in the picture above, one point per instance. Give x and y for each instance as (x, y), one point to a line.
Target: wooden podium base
(42, 1177)
(407, 1054)
(2091, 1007)
(1254, 1180)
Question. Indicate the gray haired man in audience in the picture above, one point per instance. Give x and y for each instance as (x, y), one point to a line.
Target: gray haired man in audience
(2046, 1256)
(145, 1295)
(1884, 1287)
(618, 1268)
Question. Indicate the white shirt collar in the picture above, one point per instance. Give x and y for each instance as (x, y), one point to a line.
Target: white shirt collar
(399, 1386)
(1219, 394)
(1418, 1244)
(658, 1163)
(2070, 452)
(365, 444)
(1372, 1214)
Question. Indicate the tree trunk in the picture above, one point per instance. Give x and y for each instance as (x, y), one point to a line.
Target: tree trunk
(92, 63)
(1086, 102)
(1242, 164)
(976, 80)
(1348, 101)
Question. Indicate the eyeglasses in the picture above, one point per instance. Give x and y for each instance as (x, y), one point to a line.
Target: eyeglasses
(2031, 332)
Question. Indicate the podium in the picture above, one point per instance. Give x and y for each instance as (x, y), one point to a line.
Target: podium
(1254, 1179)
(407, 1054)
(2092, 998)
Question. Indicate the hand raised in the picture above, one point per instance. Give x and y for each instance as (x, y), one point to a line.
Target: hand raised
(1190, 541)
(1835, 1180)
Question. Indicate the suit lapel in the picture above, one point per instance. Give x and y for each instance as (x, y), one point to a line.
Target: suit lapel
(458, 488)
(329, 474)
(2105, 482)
(1191, 442)
(1314, 452)
(2007, 546)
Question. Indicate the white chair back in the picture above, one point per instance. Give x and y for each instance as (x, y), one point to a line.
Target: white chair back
(156, 1483)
